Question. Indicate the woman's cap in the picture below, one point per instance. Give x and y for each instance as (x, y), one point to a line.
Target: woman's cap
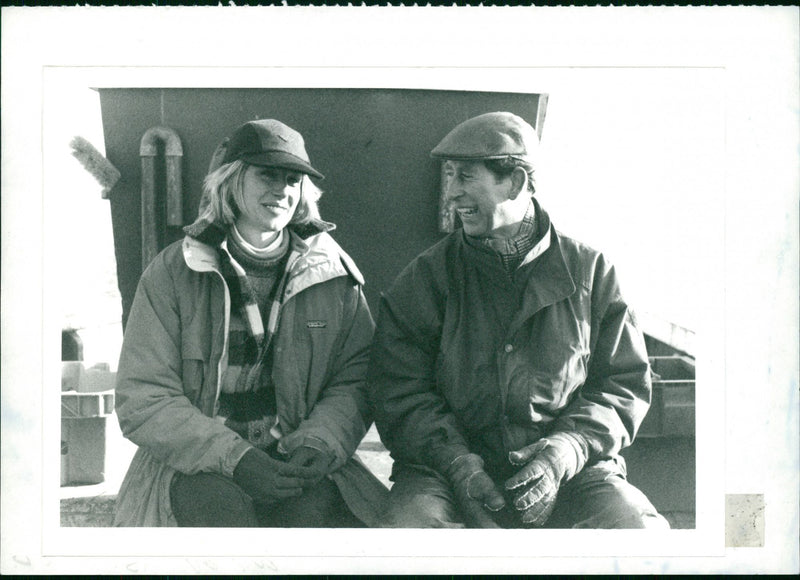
(269, 143)
(490, 136)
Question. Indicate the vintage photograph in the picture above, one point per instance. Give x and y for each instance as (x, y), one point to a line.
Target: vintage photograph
(496, 362)
(351, 305)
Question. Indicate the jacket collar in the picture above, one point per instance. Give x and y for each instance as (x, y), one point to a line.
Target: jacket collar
(490, 258)
(547, 272)
(316, 259)
(313, 259)
(200, 256)
(544, 270)
(548, 275)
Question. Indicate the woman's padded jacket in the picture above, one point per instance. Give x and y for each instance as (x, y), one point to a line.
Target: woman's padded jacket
(174, 355)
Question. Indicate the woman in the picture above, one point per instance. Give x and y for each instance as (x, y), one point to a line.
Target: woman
(241, 376)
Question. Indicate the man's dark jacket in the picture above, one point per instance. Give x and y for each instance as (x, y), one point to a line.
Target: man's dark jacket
(467, 358)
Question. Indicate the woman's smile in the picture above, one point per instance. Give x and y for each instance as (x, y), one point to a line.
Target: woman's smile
(269, 198)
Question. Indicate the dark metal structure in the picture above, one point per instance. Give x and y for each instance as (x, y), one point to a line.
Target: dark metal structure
(381, 186)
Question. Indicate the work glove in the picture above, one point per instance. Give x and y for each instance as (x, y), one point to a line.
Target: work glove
(268, 480)
(474, 490)
(317, 460)
(547, 463)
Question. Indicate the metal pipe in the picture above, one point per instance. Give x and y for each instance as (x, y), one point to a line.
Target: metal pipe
(173, 152)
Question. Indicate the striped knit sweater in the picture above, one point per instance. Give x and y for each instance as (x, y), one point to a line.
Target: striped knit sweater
(247, 400)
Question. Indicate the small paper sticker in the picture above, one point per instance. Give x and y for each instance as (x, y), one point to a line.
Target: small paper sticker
(744, 521)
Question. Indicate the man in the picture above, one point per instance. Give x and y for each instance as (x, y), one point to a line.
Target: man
(507, 370)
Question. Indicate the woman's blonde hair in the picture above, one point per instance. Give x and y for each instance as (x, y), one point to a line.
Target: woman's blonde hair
(223, 190)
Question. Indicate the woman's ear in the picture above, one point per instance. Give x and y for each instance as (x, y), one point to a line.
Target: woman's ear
(519, 182)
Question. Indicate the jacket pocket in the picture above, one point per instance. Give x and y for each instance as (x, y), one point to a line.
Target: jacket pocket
(541, 384)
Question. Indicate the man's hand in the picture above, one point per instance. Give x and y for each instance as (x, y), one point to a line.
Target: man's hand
(546, 465)
(268, 480)
(314, 459)
(475, 491)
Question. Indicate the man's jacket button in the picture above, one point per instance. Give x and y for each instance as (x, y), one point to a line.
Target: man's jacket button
(508, 347)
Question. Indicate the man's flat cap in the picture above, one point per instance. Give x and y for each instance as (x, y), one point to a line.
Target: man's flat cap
(490, 136)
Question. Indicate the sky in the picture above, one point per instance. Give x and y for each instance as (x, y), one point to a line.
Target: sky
(88, 296)
(633, 166)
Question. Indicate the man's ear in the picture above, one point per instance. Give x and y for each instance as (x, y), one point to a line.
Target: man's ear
(519, 182)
